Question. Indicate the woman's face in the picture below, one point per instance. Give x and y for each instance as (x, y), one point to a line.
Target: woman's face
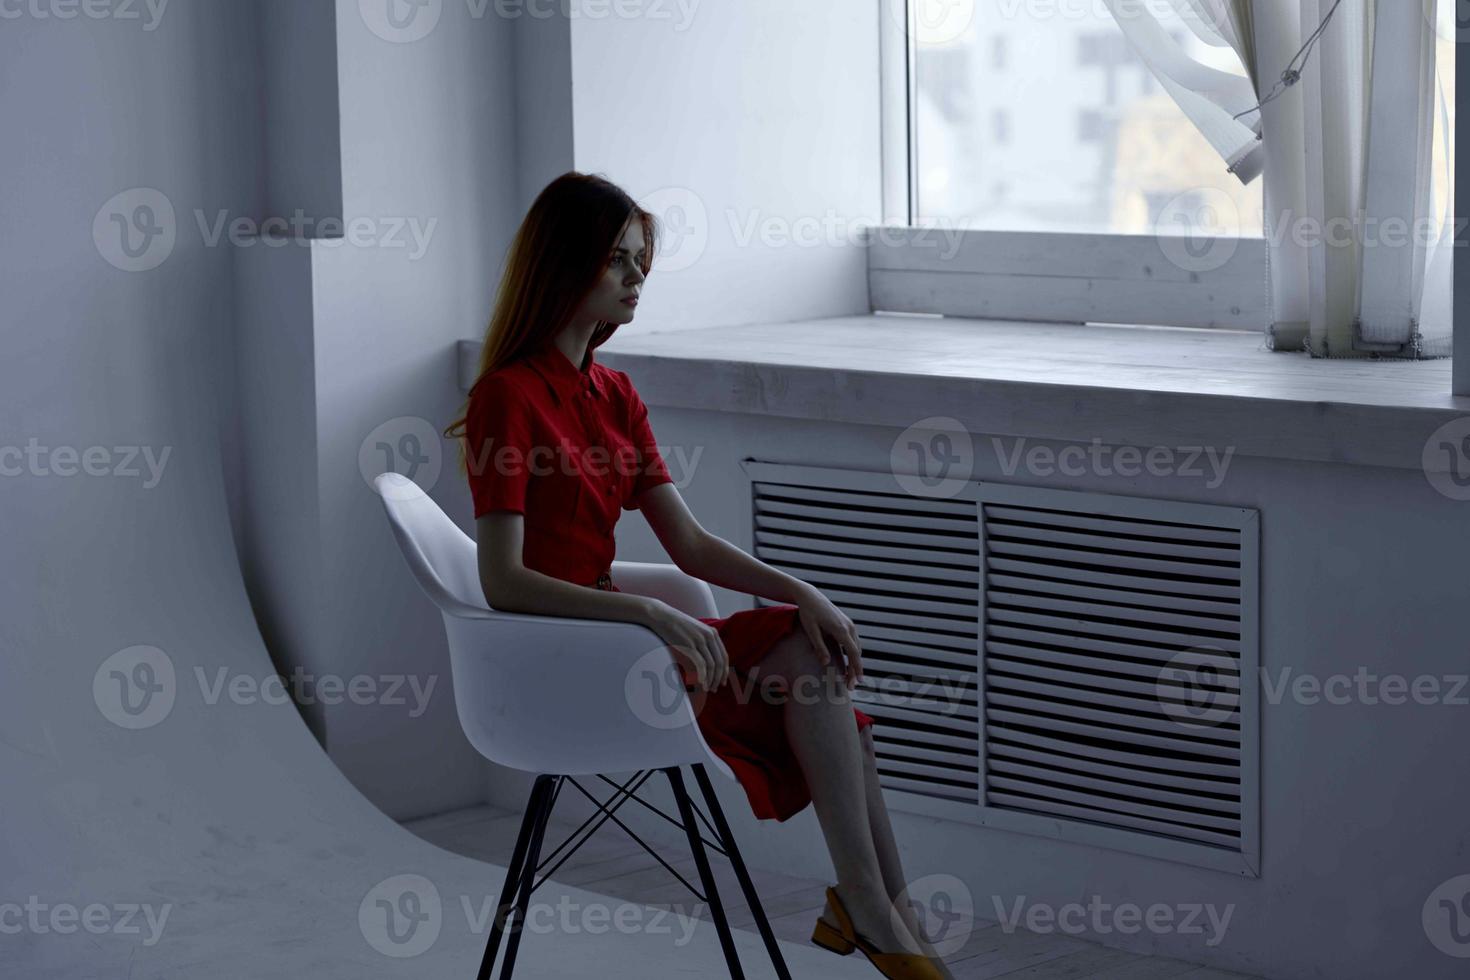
(609, 299)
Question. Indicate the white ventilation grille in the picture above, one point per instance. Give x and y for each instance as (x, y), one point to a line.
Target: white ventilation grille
(1112, 669)
(905, 569)
(1106, 638)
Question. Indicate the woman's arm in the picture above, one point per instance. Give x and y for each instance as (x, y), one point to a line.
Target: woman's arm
(706, 556)
(510, 586)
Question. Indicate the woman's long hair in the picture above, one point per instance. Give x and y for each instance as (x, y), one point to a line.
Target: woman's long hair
(559, 253)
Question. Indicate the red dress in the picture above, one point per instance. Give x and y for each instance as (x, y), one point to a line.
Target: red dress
(570, 449)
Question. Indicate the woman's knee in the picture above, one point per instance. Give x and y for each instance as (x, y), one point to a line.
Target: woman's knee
(793, 659)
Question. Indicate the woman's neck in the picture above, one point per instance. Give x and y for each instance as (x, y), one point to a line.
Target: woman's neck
(573, 341)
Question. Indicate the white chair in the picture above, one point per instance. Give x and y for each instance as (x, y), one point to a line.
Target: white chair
(561, 697)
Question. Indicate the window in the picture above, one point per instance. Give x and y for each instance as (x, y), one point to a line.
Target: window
(1077, 164)
(1129, 147)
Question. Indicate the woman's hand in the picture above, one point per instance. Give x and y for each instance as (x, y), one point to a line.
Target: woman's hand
(697, 646)
(829, 630)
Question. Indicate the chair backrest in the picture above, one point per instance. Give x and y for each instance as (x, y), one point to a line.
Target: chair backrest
(441, 556)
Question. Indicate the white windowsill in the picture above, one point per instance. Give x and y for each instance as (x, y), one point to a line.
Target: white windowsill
(1122, 385)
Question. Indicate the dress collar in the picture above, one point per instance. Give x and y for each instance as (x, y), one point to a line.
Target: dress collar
(562, 377)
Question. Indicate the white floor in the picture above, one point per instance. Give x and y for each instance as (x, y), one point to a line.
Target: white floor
(254, 858)
(612, 864)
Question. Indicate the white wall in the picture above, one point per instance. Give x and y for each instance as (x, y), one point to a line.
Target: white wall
(278, 534)
(754, 124)
(96, 355)
(542, 53)
(427, 143)
(302, 150)
(420, 143)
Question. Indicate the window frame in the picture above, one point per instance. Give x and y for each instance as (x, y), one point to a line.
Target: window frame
(896, 73)
(904, 277)
(1460, 278)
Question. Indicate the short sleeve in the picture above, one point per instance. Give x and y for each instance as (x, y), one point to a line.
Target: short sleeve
(498, 443)
(651, 468)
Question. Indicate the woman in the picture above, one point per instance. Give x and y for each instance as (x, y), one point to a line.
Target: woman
(545, 505)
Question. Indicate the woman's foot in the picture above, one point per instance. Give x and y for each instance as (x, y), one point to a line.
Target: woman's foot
(873, 917)
(916, 929)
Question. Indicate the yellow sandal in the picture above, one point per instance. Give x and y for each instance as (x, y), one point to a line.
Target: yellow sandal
(843, 939)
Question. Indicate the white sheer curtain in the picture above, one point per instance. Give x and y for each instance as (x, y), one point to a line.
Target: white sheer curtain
(1359, 244)
(1406, 288)
(1212, 99)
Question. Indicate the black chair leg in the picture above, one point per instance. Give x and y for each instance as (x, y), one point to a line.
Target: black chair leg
(528, 883)
(512, 911)
(706, 877)
(532, 822)
(746, 885)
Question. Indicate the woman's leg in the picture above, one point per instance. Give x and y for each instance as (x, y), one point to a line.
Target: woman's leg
(819, 724)
(886, 847)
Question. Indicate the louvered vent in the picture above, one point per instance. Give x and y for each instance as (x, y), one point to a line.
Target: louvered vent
(1113, 648)
(906, 570)
(1116, 631)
